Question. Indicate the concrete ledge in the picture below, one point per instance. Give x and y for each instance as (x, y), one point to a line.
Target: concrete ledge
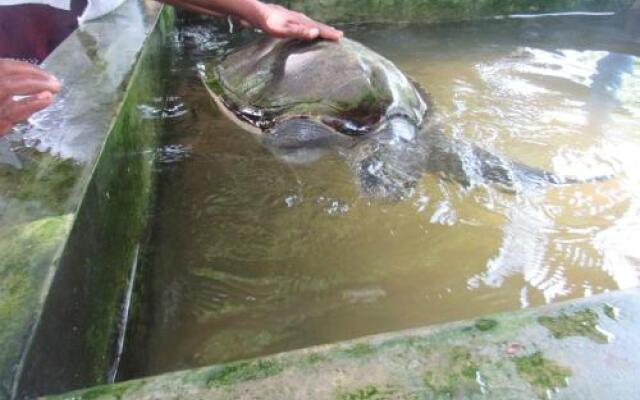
(584, 349)
(75, 191)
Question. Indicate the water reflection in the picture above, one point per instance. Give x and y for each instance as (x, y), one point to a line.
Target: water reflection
(529, 231)
(252, 255)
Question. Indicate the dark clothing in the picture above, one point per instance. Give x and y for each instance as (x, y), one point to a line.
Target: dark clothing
(31, 31)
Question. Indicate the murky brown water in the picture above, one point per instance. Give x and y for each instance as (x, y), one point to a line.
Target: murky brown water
(251, 256)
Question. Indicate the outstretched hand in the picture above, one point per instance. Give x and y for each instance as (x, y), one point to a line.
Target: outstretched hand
(280, 22)
(33, 87)
(273, 19)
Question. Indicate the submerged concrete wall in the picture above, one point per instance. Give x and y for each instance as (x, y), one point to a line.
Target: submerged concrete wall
(337, 11)
(76, 185)
(584, 349)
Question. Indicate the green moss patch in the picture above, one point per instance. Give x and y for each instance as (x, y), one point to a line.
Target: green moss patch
(359, 350)
(610, 311)
(370, 392)
(215, 86)
(485, 324)
(455, 376)
(111, 392)
(581, 323)
(26, 254)
(543, 374)
(315, 358)
(245, 371)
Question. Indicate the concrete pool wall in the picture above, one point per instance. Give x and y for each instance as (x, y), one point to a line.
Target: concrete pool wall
(73, 212)
(585, 349)
(74, 206)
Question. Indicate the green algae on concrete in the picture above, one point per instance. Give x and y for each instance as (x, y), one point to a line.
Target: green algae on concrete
(91, 290)
(27, 251)
(610, 311)
(42, 186)
(370, 392)
(359, 350)
(243, 371)
(485, 324)
(516, 359)
(73, 208)
(580, 323)
(349, 11)
(454, 374)
(544, 374)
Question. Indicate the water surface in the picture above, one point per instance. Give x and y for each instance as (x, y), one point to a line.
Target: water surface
(250, 255)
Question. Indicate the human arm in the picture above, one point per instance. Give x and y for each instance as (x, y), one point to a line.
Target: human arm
(273, 19)
(34, 87)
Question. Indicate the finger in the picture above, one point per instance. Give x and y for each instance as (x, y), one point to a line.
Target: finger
(25, 87)
(302, 31)
(17, 111)
(325, 31)
(329, 33)
(21, 68)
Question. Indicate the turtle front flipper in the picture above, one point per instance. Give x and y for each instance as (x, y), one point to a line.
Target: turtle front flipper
(388, 164)
(302, 140)
(469, 164)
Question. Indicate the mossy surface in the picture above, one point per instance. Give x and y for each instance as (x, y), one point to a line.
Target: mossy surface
(370, 392)
(315, 358)
(108, 392)
(94, 270)
(610, 311)
(542, 373)
(515, 360)
(359, 350)
(245, 371)
(485, 324)
(105, 392)
(45, 186)
(580, 323)
(27, 257)
(373, 101)
(453, 375)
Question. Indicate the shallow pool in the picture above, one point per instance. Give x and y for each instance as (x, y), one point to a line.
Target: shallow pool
(249, 255)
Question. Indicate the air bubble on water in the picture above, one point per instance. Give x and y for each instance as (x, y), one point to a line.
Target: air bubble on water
(422, 202)
(444, 214)
(337, 207)
(173, 153)
(292, 200)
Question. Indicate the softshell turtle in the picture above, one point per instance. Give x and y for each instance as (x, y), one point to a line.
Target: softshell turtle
(301, 97)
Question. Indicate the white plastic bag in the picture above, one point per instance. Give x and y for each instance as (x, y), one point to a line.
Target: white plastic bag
(98, 8)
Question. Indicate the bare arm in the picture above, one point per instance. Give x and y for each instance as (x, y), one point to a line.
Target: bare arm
(272, 19)
(34, 86)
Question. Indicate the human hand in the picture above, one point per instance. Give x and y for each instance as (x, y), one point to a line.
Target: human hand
(278, 21)
(19, 78)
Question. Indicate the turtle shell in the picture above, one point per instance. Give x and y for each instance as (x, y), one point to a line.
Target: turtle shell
(342, 85)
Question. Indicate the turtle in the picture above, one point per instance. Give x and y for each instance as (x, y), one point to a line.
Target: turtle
(303, 98)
